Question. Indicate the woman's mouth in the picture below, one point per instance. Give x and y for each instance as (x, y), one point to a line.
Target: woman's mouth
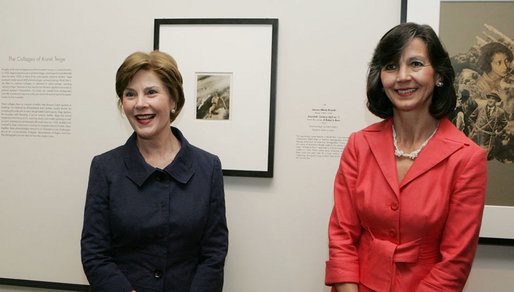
(405, 92)
(145, 119)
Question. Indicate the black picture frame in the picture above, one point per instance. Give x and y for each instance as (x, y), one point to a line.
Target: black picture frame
(188, 40)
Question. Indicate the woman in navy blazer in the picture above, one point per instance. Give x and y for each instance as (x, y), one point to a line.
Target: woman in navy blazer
(155, 211)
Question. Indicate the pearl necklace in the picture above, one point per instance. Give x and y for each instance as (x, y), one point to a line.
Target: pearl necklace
(413, 154)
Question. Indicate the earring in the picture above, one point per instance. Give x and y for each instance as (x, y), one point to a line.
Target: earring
(439, 84)
(173, 111)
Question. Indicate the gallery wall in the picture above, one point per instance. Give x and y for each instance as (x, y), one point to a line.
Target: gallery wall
(278, 226)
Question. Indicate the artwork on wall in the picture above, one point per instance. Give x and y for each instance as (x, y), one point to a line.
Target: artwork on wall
(229, 72)
(213, 96)
(478, 36)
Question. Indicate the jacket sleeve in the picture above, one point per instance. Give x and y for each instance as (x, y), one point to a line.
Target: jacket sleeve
(344, 227)
(460, 234)
(101, 270)
(214, 242)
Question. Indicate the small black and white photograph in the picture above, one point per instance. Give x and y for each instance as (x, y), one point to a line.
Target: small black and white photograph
(213, 96)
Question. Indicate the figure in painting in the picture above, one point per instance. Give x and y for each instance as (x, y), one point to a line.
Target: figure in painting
(216, 103)
(495, 59)
(465, 107)
(490, 122)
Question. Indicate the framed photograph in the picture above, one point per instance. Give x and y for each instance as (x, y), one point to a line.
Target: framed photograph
(229, 71)
(479, 38)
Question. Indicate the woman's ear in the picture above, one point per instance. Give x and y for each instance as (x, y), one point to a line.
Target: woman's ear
(437, 78)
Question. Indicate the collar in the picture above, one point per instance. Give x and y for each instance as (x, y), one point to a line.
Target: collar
(445, 142)
(180, 169)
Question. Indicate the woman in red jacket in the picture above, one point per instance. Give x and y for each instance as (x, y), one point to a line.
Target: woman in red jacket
(409, 192)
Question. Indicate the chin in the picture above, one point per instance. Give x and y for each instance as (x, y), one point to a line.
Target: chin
(143, 136)
(144, 133)
(410, 108)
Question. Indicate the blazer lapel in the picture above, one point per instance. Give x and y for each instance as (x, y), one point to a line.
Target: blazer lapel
(438, 149)
(380, 140)
(181, 168)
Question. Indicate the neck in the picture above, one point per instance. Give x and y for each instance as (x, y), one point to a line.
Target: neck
(159, 151)
(413, 129)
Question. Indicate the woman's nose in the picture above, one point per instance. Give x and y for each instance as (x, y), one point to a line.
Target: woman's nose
(140, 101)
(403, 73)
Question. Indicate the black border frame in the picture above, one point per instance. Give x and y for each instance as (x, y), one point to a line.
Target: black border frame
(403, 15)
(496, 241)
(43, 284)
(481, 240)
(274, 46)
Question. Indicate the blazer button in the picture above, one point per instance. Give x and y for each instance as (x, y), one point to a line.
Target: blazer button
(394, 206)
(392, 233)
(157, 274)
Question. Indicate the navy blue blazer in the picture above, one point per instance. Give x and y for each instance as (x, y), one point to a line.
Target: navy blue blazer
(149, 229)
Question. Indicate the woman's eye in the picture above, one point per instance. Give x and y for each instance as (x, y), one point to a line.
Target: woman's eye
(417, 64)
(152, 91)
(390, 67)
(129, 94)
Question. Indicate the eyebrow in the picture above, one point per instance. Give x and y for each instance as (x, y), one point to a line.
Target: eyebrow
(418, 57)
(146, 88)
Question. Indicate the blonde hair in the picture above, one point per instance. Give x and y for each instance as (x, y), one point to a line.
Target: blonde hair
(158, 62)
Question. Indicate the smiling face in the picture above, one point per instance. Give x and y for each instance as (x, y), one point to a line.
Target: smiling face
(147, 103)
(409, 83)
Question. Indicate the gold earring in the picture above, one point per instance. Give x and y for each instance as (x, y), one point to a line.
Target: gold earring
(439, 84)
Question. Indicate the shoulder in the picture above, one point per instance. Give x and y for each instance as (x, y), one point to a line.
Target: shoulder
(378, 127)
(205, 165)
(107, 166)
(193, 153)
(376, 135)
(374, 131)
(500, 111)
(108, 157)
(483, 83)
(449, 133)
(202, 157)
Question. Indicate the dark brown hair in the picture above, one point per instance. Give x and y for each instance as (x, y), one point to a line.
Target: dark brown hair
(390, 49)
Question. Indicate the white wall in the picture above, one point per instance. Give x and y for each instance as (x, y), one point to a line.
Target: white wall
(278, 226)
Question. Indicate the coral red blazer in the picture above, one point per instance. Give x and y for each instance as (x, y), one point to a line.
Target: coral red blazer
(417, 235)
